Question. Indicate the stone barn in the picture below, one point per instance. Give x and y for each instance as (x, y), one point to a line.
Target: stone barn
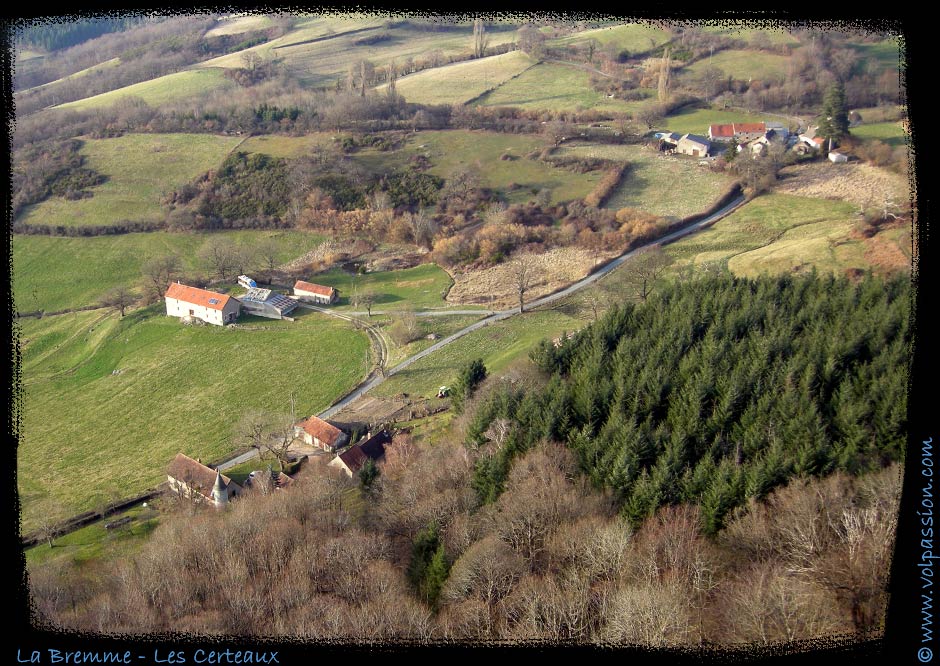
(315, 293)
(314, 431)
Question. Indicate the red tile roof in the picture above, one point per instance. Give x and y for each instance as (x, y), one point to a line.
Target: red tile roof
(196, 475)
(355, 456)
(749, 127)
(732, 129)
(197, 296)
(721, 130)
(318, 289)
(317, 427)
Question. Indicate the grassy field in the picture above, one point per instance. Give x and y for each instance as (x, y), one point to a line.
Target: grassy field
(27, 54)
(498, 345)
(480, 151)
(780, 233)
(462, 81)
(313, 27)
(320, 50)
(886, 53)
(161, 90)
(439, 326)
(289, 147)
(141, 168)
(54, 273)
(744, 65)
(632, 37)
(775, 35)
(95, 542)
(891, 132)
(696, 121)
(671, 186)
(557, 88)
(774, 234)
(107, 403)
(418, 288)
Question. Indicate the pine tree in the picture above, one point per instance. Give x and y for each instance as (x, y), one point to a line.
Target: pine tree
(834, 122)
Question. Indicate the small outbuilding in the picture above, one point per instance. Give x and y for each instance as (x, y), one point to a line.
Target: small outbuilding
(694, 145)
(315, 293)
(836, 158)
(314, 431)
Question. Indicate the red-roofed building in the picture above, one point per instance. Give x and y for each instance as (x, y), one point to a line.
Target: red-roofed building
(352, 459)
(316, 293)
(740, 132)
(314, 431)
(209, 306)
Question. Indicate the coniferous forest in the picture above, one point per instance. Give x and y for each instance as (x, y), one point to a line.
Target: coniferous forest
(717, 391)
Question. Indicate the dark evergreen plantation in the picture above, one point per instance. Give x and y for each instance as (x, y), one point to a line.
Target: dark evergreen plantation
(718, 390)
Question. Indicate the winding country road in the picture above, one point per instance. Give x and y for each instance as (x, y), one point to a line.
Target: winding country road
(371, 382)
(376, 377)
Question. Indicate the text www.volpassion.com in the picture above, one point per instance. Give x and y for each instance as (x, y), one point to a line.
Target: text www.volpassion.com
(925, 511)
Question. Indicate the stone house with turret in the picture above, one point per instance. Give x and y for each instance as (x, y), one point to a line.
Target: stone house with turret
(192, 480)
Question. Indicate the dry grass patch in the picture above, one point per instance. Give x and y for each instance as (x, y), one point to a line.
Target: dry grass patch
(859, 184)
(552, 271)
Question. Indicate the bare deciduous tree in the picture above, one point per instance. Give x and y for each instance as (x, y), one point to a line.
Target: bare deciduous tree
(480, 38)
(645, 269)
(220, 256)
(252, 428)
(119, 299)
(522, 270)
(267, 255)
(364, 299)
(158, 273)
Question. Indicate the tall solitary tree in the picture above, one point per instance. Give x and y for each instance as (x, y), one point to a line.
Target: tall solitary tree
(522, 268)
(834, 122)
(480, 39)
(665, 73)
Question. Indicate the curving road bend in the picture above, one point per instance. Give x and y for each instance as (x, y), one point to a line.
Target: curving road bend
(375, 379)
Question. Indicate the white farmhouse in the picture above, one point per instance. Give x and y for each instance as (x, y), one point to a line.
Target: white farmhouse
(210, 307)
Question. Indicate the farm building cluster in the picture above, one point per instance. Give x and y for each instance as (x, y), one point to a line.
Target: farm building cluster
(196, 482)
(753, 137)
(192, 303)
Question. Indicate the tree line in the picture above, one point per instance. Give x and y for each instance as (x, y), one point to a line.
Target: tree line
(414, 557)
(718, 391)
